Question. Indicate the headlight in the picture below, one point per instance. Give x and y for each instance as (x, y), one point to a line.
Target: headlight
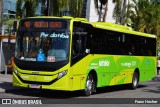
(15, 71)
(61, 74)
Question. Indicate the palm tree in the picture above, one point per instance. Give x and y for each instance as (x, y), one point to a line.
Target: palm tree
(55, 8)
(119, 12)
(29, 7)
(99, 9)
(75, 7)
(84, 7)
(19, 11)
(144, 15)
(58, 6)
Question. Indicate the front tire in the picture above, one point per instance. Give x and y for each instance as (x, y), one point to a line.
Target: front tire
(90, 85)
(135, 81)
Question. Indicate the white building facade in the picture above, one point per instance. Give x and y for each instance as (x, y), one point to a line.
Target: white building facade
(92, 15)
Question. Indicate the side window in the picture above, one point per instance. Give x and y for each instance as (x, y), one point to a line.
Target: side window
(142, 49)
(131, 44)
(151, 46)
(96, 41)
(79, 45)
(79, 39)
(111, 42)
(122, 44)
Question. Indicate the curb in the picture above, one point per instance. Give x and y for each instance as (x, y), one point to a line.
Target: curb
(2, 90)
(156, 79)
(8, 90)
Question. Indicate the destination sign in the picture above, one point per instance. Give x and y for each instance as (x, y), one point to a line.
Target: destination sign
(44, 23)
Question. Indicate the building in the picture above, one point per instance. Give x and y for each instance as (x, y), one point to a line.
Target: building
(92, 15)
(9, 8)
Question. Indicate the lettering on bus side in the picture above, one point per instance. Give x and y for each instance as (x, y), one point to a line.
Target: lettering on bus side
(104, 63)
(129, 64)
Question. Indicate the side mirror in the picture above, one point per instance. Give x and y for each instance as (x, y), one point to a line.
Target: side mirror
(87, 51)
(15, 26)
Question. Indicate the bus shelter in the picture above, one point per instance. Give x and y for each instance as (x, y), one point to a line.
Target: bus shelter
(7, 48)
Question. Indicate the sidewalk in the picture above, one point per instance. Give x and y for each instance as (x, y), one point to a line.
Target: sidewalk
(157, 78)
(6, 83)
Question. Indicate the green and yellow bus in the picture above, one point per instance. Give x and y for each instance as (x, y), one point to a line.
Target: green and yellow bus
(69, 54)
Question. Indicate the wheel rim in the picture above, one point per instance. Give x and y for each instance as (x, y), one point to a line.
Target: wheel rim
(89, 85)
(135, 81)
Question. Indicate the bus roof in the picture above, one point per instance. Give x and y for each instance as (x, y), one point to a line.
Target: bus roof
(103, 25)
(119, 28)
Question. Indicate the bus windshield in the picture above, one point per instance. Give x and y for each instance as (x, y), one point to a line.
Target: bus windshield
(42, 45)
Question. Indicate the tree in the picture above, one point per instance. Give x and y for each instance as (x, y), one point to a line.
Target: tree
(84, 7)
(58, 6)
(99, 9)
(8, 24)
(19, 11)
(144, 15)
(119, 12)
(75, 7)
(29, 8)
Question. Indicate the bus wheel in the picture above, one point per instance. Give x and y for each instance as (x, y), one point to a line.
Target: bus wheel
(135, 81)
(90, 85)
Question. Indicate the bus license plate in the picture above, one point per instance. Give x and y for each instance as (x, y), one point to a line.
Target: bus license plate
(34, 86)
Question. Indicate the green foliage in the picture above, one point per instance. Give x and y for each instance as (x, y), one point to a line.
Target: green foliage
(55, 8)
(30, 7)
(58, 6)
(144, 16)
(8, 22)
(26, 8)
(75, 7)
(19, 10)
(119, 12)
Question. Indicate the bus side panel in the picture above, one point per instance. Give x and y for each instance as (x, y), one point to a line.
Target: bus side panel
(79, 73)
(148, 68)
(98, 63)
(106, 69)
(126, 67)
(112, 70)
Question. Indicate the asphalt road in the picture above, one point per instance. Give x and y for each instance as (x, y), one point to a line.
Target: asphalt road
(145, 90)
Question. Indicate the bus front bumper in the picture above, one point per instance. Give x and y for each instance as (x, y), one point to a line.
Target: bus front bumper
(63, 83)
